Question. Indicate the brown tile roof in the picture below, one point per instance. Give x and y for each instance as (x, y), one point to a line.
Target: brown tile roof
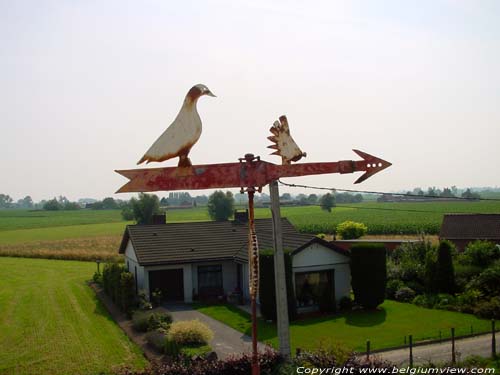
(203, 241)
(470, 226)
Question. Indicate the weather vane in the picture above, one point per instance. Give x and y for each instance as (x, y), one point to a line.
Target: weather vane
(250, 174)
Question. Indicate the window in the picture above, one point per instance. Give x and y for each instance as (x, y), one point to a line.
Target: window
(309, 286)
(210, 277)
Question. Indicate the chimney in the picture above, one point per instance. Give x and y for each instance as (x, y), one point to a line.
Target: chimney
(240, 217)
(159, 219)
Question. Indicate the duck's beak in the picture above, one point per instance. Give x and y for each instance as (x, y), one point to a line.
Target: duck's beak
(209, 93)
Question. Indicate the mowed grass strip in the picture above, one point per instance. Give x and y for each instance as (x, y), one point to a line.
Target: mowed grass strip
(385, 327)
(52, 323)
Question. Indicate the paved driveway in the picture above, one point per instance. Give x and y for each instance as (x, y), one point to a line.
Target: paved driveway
(226, 341)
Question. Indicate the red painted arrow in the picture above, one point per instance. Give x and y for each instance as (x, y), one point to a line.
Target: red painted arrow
(247, 173)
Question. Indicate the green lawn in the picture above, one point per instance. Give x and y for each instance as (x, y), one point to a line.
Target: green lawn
(385, 327)
(52, 323)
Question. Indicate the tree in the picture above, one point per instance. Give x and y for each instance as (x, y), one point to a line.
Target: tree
(220, 205)
(368, 274)
(312, 199)
(109, 204)
(447, 193)
(52, 205)
(145, 207)
(286, 197)
(26, 202)
(327, 202)
(445, 274)
(5, 201)
(350, 230)
(470, 195)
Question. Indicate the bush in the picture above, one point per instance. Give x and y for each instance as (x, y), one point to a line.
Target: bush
(350, 230)
(445, 302)
(144, 321)
(405, 294)
(119, 284)
(464, 273)
(220, 205)
(468, 300)
(267, 291)
(190, 332)
(487, 282)
(392, 287)
(368, 274)
(97, 278)
(269, 362)
(345, 303)
(157, 339)
(480, 254)
(488, 309)
(195, 351)
(425, 300)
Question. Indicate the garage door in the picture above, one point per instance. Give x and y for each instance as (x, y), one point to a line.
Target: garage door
(170, 282)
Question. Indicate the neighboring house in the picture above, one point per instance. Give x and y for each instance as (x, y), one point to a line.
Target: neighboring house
(464, 228)
(199, 259)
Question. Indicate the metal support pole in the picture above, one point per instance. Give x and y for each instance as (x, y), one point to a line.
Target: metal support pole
(453, 354)
(253, 261)
(367, 350)
(279, 274)
(410, 339)
(493, 339)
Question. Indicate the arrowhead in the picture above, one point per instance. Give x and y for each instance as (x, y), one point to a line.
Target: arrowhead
(371, 165)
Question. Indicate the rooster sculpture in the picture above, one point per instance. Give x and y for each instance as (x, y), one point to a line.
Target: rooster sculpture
(284, 144)
(182, 134)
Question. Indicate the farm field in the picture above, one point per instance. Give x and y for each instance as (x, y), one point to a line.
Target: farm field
(385, 328)
(91, 234)
(52, 322)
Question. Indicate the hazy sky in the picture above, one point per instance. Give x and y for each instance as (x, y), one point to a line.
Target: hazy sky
(87, 86)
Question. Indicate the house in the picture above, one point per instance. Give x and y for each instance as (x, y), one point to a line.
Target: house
(464, 228)
(194, 259)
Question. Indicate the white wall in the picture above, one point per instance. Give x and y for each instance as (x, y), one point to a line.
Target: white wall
(319, 258)
(132, 264)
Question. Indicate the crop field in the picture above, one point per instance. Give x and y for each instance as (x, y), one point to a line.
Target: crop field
(92, 234)
(52, 323)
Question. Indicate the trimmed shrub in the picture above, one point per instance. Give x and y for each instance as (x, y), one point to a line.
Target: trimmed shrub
(488, 309)
(190, 332)
(350, 230)
(392, 287)
(127, 291)
(445, 276)
(267, 290)
(368, 274)
(119, 284)
(405, 294)
(144, 321)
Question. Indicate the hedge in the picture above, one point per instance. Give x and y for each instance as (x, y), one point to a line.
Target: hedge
(368, 274)
(267, 291)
